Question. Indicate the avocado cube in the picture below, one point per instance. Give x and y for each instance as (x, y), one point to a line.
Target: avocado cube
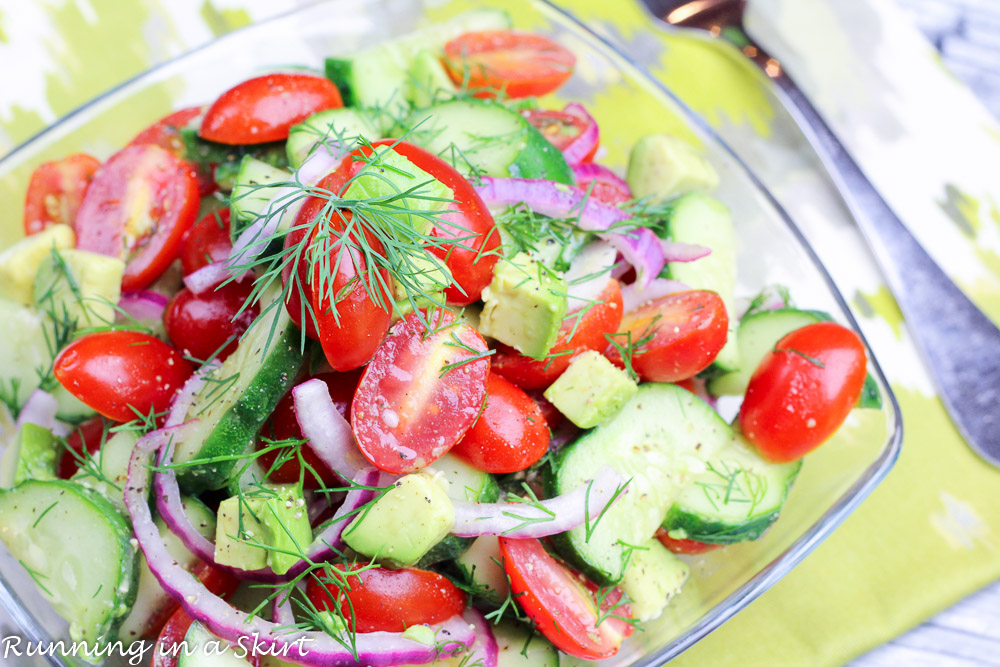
(79, 284)
(20, 262)
(653, 577)
(35, 449)
(661, 166)
(274, 524)
(591, 390)
(524, 306)
(392, 174)
(403, 525)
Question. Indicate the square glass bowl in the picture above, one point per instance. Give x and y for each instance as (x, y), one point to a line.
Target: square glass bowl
(627, 104)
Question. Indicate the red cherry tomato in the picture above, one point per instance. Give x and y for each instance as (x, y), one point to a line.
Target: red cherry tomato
(605, 186)
(201, 324)
(474, 254)
(137, 208)
(550, 412)
(803, 390)
(263, 109)
(521, 64)
(389, 600)
(89, 437)
(675, 337)
(285, 426)
(206, 242)
(165, 133)
(56, 190)
(600, 319)
(559, 127)
(511, 433)
(421, 392)
(561, 602)
(122, 374)
(689, 547)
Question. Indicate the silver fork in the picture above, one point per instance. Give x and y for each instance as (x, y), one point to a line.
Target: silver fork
(959, 344)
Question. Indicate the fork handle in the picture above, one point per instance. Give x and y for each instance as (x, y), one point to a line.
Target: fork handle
(958, 342)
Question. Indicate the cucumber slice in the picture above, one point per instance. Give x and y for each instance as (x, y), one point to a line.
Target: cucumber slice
(249, 199)
(480, 568)
(326, 130)
(107, 471)
(699, 219)
(520, 647)
(203, 649)
(736, 499)
(464, 483)
(653, 577)
(225, 159)
(76, 546)
(152, 603)
(238, 398)
(480, 136)
(658, 440)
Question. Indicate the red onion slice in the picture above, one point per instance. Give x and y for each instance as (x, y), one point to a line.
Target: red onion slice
(560, 514)
(281, 609)
(642, 249)
(588, 139)
(329, 434)
(634, 296)
(189, 392)
(221, 619)
(675, 251)
(484, 652)
(40, 409)
(591, 171)
(143, 305)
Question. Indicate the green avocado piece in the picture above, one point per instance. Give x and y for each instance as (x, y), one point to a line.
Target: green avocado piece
(524, 305)
(19, 263)
(274, 522)
(79, 284)
(653, 577)
(661, 166)
(591, 390)
(403, 525)
(36, 453)
(392, 174)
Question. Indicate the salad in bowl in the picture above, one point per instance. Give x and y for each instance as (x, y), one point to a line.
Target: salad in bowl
(380, 365)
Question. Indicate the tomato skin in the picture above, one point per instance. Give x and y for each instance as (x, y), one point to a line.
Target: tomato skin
(605, 186)
(200, 324)
(510, 435)
(206, 242)
(470, 260)
(559, 127)
(112, 370)
(56, 190)
(405, 413)
(688, 547)
(87, 436)
(602, 318)
(561, 602)
(390, 600)
(688, 330)
(264, 108)
(165, 133)
(284, 425)
(803, 390)
(521, 64)
(137, 208)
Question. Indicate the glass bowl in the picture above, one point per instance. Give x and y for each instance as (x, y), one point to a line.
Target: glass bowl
(627, 103)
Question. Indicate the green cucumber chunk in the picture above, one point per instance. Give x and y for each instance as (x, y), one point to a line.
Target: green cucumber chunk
(333, 130)
(107, 470)
(654, 576)
(479, 567)
(520, 647)
(701, 220)
(203, 649)
(224, 159)
(658, 440)
(736, 498)
(76, 546)
(463, 483)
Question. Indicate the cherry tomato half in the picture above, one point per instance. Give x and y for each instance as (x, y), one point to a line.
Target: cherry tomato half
(803, 390)
(420, 393)
(89, 437)
(165, 133)
(559, 127)
(521, 64)
(284, 425)
(675, 337)
(472, 257)
(264, 108)
(511, 433)
(201, 324)
(137, 208)
(602, 184)
(206, 242)
(574, 337)
(689, 547)
(389, 600)
(561, 602)
(122, 374)
(56, 190)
